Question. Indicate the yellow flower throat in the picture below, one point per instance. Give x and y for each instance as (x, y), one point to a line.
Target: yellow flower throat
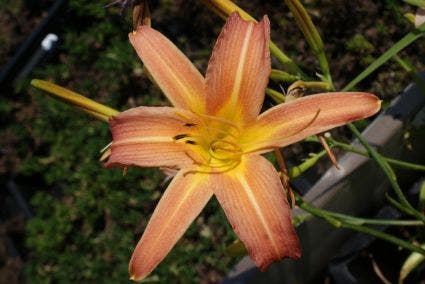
(213, 143)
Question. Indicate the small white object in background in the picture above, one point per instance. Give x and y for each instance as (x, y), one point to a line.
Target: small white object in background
(49, 41)
(420, 16)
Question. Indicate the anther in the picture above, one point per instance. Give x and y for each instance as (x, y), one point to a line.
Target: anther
(191, 142)
(189, 124)
(180, 136)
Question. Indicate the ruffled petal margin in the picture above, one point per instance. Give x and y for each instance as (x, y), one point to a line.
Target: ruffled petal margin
(172, 71)
(254, 202)
(143, 136)
(291, 122)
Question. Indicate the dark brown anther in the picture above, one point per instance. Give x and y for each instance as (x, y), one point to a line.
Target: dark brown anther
(180, 136)
(191, 142)
(189, 124)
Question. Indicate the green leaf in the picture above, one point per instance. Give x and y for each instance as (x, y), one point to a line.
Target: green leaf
(396, 48)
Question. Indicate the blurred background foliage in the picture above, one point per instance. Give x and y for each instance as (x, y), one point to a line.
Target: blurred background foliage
(87, 219)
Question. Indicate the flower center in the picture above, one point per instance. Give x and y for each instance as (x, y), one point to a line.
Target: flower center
(213, 143)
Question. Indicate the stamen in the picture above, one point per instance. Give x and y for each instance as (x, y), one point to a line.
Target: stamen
(105, 155)
(106, 147)
(180, 136)
(219, 119)
(212, 171)
(209, 164)
(271, 147)
(216, 139)
(231, 153)
(206, 126)
(196, 162)
(187, 119)
(221, 131)
(189, 139)
(222, 159)
(214, 143)
(182, 115)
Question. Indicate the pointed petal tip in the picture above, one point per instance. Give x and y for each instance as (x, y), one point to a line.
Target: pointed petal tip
(238, 70)
(169, 68)
(375, 102)
(135, 275)
(180, 204)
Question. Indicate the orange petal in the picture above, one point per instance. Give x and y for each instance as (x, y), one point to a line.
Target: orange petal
(254, 201)
(238, 70)
(177, 77)
(143, 136)
(293, 121)
(183, 200)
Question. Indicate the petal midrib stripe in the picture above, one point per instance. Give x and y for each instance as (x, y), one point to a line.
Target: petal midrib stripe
(259, 212)
(165, 226)
(143, 139)
(241, 65)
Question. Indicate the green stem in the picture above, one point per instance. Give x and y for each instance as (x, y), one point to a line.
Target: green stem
(324, 65)
(278, 75)
(388, 172)
(304, 166)
(397, 205)
(385, 222)
(350, 148)
(336, 222)
(311, 35)
(286, 61)
(398, 163)
(275, 95)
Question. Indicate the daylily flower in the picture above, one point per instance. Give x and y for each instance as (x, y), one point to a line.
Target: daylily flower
(214, 136)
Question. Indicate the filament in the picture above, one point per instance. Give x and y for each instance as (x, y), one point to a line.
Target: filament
(271, 147)
(212, 171)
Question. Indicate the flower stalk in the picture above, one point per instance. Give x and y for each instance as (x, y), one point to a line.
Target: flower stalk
(388, 172)
(312, 36)
(350, 148)
(309, 85)
(278, 97)
(282, 76)
(335, 220)
(296, 171)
